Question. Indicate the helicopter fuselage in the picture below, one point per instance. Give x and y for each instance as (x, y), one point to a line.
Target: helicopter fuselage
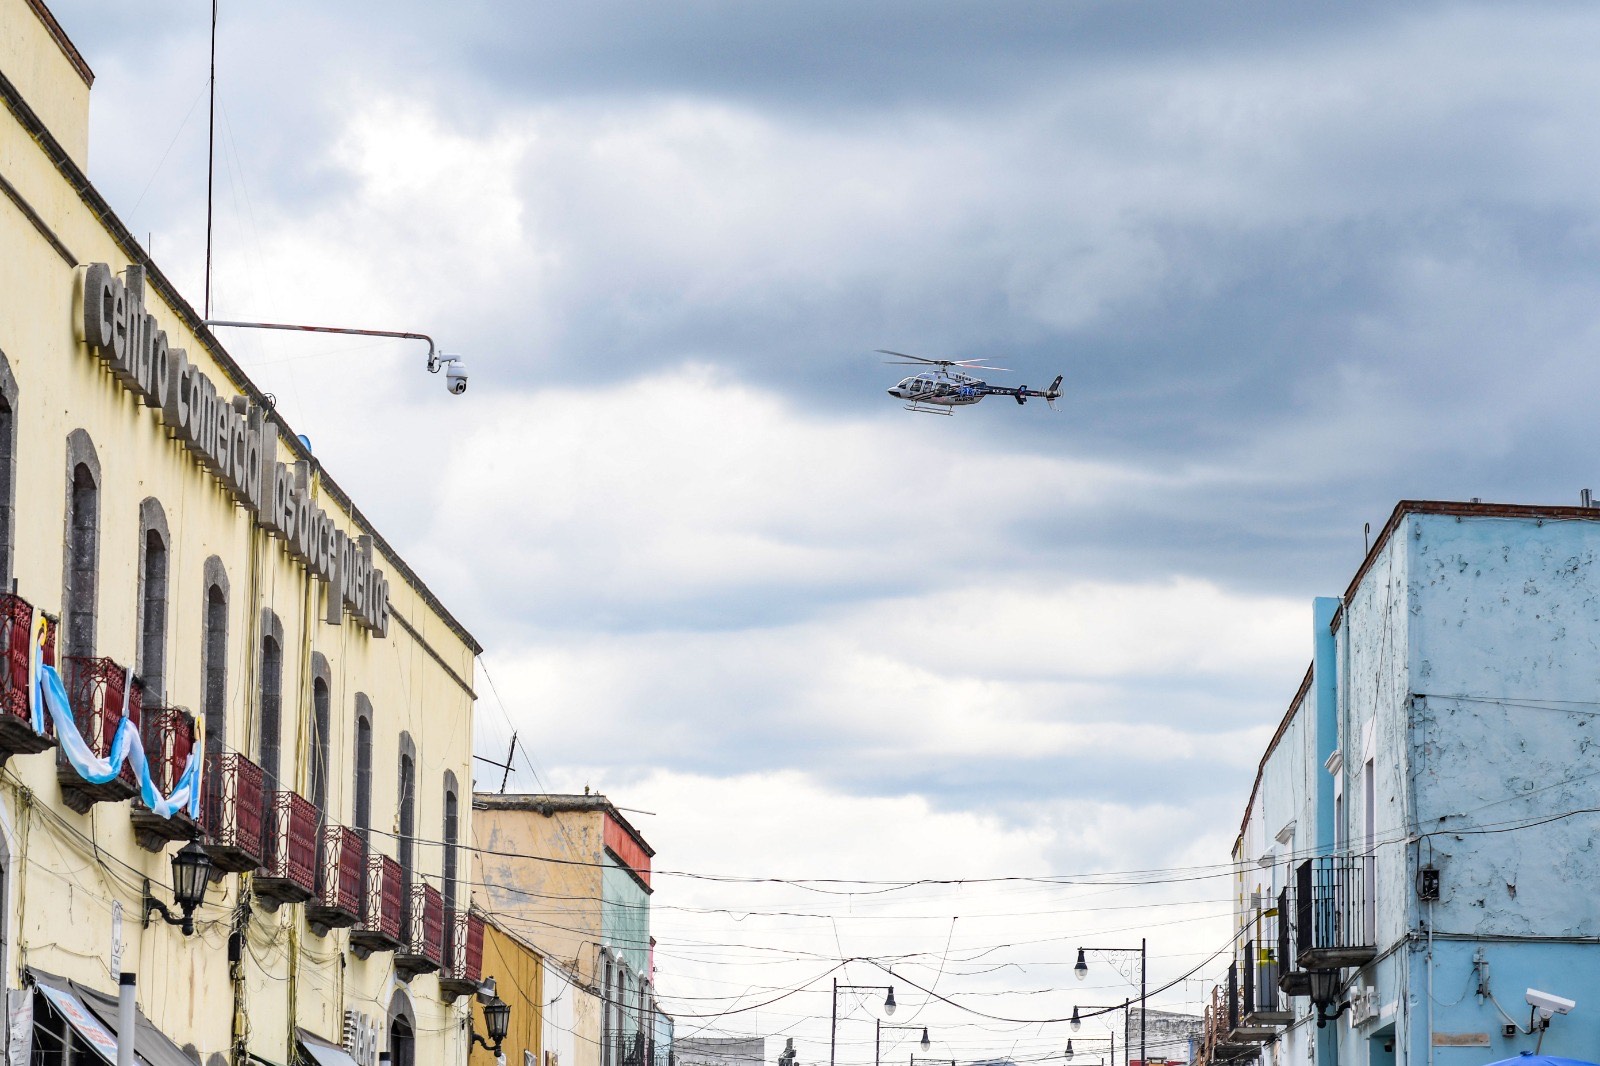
(951, 390)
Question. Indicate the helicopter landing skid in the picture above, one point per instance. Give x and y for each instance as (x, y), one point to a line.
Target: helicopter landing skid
(947, 412)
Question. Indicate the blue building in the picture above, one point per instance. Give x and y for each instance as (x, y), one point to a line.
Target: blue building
(1418, 850)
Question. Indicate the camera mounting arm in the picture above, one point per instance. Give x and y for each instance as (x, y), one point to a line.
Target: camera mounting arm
(433, 358)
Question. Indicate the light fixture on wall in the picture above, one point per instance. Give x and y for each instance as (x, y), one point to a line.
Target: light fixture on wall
(191, 870)
(1326, 989)
(497, 1019)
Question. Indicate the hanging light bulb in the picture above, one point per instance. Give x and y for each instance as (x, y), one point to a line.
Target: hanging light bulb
(1081, 970)
(1077, 1022)
(1069, 1051)
(925, 1043)
(888, 1002)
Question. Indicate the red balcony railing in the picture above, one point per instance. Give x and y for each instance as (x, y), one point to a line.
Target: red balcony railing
(289, 874)
(16, 651)
(168, 734)
(341, 873)
(97, 689)
(379, 926)
(423, 947)
(462, 971)
(234, 815)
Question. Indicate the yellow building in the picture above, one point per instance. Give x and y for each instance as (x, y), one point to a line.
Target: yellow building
(209, 597)
(517, 969)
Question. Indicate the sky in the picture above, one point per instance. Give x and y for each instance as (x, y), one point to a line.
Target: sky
(1296, 263)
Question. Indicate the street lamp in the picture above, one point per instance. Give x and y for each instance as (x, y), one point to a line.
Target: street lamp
(1081, 970)
(1071, 1051)
(877, 1042)
(497, 1019)
(1326, 986)
(833, 1032)
(191, 870)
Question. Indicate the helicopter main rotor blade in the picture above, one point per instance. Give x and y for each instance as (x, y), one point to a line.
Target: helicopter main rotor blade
(913, 360)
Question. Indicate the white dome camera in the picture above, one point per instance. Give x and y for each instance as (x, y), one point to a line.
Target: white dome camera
(455, 376)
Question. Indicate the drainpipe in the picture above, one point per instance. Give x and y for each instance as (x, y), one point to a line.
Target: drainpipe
(125, 1019)
(1325, 684)
(1325, 673)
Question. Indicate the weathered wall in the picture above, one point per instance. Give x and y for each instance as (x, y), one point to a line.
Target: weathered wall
(552, 904)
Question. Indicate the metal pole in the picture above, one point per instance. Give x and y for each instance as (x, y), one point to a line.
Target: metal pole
(1144, 1060)
(125, 1019)
(211, 151)
(877, 1042)
(833, 1030)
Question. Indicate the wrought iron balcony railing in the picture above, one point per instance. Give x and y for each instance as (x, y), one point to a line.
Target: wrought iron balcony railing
(341, 875)
(98, 691)
(234, 814)
(289, 873)
(462, 971)
(1262, 1004)
(379, 926)
(422, 947)
(16, 653)
(168, 735)
(1332, 913)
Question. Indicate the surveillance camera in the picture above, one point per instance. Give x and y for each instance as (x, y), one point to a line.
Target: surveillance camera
(1547, 1003)
(455, 377)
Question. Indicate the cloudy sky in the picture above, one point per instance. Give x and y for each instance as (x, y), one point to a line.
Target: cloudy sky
(1296, 262)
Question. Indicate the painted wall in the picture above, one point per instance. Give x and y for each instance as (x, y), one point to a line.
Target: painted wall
(518, 971)
(66, 872)
(1466, 715)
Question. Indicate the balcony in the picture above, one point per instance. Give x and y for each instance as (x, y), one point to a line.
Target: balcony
(1332, 917)
(422, 950)
(378, 928)
(1217, 1042)
(1292, 980)
(16, 647)
(462, 971)
(168, 737)
(341, 874)
(233, 809)
(98, 691)
(289, 872)
(1262, 1004)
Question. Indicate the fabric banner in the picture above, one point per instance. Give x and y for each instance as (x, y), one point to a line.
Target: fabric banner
(86, 1024)
(48, 694)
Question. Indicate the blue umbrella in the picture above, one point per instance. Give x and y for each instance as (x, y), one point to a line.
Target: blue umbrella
(1528, 1058)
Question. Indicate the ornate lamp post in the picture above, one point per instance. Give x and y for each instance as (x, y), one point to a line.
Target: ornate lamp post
(1081, 970)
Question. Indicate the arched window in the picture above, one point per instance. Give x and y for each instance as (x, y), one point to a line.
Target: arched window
(82, 570)
(452, 837)
(8, 470)
(153, 563)
(362, 814)
(402, 1031)
(321, 732)
(408, 814)
(272, 701)
(214, 664)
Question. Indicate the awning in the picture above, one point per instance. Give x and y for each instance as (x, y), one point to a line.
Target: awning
(321, 1052)
(93, 1014)
(150, 1044)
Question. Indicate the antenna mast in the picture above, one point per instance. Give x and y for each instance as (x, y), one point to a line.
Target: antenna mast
(211, 152)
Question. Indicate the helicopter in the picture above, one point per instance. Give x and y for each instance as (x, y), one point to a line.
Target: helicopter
(946, 384)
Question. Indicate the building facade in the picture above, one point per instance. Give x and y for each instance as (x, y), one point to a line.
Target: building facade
(203, 639)
(1417, 849)
(571, 876)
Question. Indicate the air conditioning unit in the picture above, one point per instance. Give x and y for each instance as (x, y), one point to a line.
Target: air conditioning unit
(1363, 1004)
